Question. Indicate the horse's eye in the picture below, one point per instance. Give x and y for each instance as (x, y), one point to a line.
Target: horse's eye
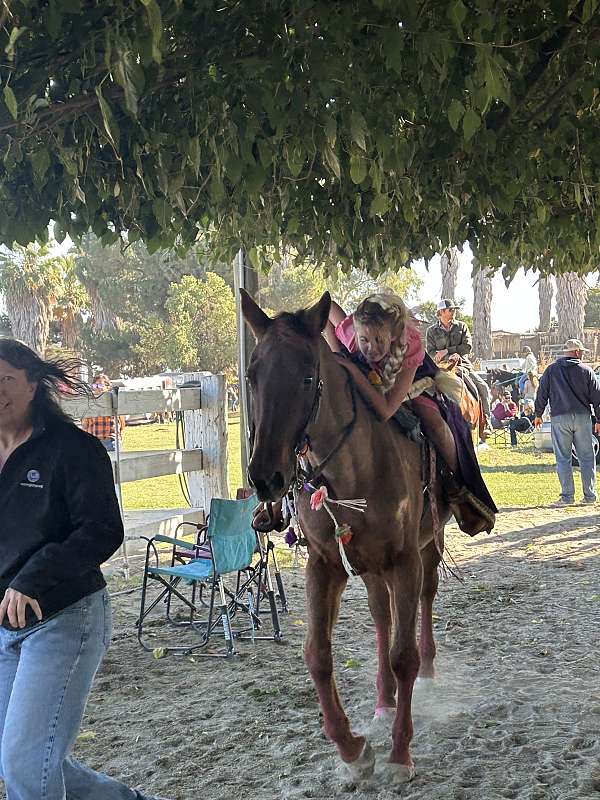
(307, 381)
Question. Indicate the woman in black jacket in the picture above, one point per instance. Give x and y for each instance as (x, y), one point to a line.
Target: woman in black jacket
(59, 520)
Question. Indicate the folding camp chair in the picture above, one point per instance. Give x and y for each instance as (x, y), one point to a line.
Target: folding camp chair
(225, 547)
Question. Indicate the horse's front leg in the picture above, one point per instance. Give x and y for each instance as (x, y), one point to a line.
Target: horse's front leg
(405, 581)
(325, 583)
(431, 559)
(379, 606)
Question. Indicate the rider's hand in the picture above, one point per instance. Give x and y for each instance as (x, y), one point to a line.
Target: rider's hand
(14, 606)
(538, 422)
(440, 354)
(454, 358)
(597, 428)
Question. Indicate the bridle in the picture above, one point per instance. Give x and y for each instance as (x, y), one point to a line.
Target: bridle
(303, 446)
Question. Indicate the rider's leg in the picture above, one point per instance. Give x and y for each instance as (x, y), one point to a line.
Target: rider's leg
(484, 394)
(435, 428)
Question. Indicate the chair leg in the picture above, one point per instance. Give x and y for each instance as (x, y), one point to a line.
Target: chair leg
(226, 619)
(277, 634)
(278, 579)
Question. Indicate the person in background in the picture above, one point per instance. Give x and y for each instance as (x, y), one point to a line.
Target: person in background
(504, 410)
(103, 428)
(522, 423)
(60, 522)
(571, 388)
(530, 387)
(450, 340)
(528, 364)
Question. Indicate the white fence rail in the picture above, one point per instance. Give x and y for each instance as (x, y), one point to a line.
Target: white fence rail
(203, 458)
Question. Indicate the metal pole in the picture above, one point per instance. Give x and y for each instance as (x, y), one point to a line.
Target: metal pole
(115, 410)
(245, 277)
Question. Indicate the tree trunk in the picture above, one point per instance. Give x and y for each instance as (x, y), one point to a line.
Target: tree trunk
(482, 313)
(571, 294)
(449, 264)
(545, 292)
(29, 314)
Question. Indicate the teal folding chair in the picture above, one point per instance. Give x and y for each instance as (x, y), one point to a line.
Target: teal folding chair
(228, 549)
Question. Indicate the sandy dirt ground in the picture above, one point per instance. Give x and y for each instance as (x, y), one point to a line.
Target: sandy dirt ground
(513, 713)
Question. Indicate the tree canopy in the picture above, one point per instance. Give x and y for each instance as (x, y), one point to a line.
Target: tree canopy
(354, 132)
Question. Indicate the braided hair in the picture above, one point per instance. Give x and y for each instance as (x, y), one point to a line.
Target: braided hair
(382, 309)
(54, 378)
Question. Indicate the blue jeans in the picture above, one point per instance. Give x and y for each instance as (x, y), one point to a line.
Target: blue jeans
(570, 430)
(46, 673)
(108, 444)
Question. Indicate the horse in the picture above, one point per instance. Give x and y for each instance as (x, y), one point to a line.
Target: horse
(455, 383)
(304, 400)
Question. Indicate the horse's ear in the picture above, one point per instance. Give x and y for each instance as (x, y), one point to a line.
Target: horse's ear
(254, 315)
(315, 318)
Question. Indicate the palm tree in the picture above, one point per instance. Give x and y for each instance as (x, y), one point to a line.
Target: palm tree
(482, 313)
(449, 265)
(545, 292)
(571, 295)
(30, 279)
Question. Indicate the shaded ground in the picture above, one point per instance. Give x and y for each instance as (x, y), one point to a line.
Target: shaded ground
(514, 713)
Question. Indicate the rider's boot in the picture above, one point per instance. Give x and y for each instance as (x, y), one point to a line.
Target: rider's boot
(470, 514)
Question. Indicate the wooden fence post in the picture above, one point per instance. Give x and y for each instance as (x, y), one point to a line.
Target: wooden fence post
(207, 429)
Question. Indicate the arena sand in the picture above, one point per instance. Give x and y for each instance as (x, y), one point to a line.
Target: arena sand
(513, 713)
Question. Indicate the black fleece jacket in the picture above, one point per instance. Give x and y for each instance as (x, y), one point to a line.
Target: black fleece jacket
(59, 516)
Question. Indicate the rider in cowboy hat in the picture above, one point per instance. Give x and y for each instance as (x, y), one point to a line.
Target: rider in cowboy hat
(450, 340)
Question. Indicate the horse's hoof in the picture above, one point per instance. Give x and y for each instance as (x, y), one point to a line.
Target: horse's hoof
(385, 713)
(399, 773)
(363, 766)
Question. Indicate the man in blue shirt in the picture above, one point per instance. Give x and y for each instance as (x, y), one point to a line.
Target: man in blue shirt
(571, 388)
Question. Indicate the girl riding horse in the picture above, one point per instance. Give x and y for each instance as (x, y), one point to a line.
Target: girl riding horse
(389, 364)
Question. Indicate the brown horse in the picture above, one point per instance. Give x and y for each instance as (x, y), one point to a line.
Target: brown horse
(302, 394)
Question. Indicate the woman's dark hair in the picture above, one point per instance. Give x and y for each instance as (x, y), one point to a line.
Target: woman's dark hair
(55, 378)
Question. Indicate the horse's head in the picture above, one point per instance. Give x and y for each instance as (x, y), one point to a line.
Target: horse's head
(285, 382)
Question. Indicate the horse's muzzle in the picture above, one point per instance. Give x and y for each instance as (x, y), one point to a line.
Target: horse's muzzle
(268, 489)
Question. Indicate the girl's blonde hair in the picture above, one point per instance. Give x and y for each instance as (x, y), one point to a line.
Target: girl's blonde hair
(382, 309)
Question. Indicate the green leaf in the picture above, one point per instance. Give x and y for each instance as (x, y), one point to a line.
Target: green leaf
(295, 159)
(380, 205)
(40, 161)
(162, 212)
(331, 131)
(10, 47)
(110, 124)
(332, 161)
(59, 232)
(589, 7)
(10, 100)
(456, 111)
(496, 82)
(160, 652)
(471, 123)
(358, 168)
(156, 26)
(194, 152)
(358, 129)
(130, 76)
(457, 14)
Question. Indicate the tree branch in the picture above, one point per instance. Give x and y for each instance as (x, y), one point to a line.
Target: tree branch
(551, 48)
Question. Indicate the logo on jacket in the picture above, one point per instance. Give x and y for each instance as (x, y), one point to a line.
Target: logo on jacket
(32, 480)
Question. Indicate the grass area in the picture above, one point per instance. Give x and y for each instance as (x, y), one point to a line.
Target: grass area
(165, 492)
(515, 476)
(520, 476)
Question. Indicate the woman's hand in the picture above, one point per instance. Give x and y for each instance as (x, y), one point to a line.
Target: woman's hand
(14, 606)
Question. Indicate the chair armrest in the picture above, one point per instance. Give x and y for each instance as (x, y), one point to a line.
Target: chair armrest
(177, 542)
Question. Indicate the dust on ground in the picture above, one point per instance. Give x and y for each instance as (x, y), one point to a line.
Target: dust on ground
(513, 713)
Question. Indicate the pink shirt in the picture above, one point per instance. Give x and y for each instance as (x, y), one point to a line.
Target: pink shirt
(415, 352)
